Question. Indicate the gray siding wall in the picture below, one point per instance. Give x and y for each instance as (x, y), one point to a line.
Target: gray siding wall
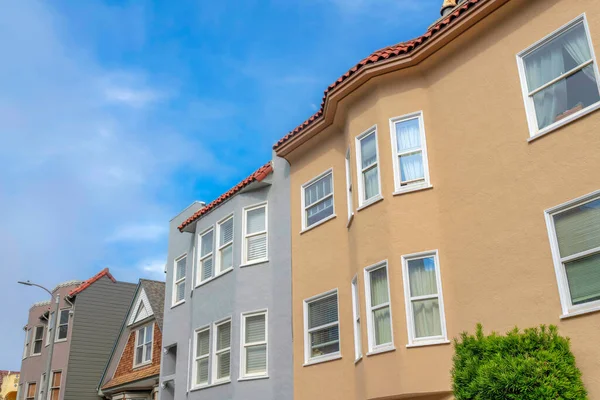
(245, 289)
(99, 313)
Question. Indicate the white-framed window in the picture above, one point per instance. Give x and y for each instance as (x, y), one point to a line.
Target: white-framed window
(206, 265)
(356, 317)
(179, 272)
(201, 357)
(27, 341)
(41, 386)
(255, 246)
(49, 328)
(574, 230)
(379, 311)
(143, 345)
(38, 340)
(62, 329)
(317, 200)
(425, 318)
(222, 351)
(367, 160)
(31, 389)
(254, 338)
(409, 152)
(321, 328)
(55, 385)
(559, 77)
(349, 198)
(225, 244)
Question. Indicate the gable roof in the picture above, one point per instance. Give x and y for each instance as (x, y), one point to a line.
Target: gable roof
(256, 176)
(155, 292)
(379, 56)
(88, 283)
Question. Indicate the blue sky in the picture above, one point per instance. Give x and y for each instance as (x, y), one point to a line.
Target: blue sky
(116, 115)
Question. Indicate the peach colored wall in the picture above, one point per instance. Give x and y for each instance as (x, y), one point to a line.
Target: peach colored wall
(485, 213)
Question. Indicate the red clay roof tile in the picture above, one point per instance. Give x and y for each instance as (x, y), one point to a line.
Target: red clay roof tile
(86, 284)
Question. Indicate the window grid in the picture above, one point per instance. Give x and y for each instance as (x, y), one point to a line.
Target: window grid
(369, 188)
(253, 256)
(55, 385)
(225, 247)
(201, 357)
(221, 352)
(324, 204)
(254, 344)
(380, 337)
(179, 274)
(356, 315)
(206, 261)
(311, 332)
(143, 345)
(38, 337)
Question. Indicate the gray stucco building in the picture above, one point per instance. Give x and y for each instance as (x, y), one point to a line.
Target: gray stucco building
(227, 318)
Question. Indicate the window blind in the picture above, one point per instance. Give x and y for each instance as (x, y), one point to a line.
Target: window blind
(226, 232)
(255, 220)
(322, 312)
(257, 247)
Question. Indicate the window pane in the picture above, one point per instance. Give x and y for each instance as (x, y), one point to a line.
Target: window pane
(255, 328)
(371, 182)
(578, 229)
(203, 344)
(202, 371)
(226, 232)
(207, 269)
(411, 167)
(64, 317)
(140, 336)
(224, 336)
(408, 135)
(148, 355)
(322, 311)
(39, 332)
(207, 243)
(62, 331)
(256, 359)
(584, 279)
(226, 258)
(382, 326)
(223, 365)
(56, 379)
(255, 220)
(319, 211)
(37, 347)
(368, 148)
(139, 352)
(379, 286)
(317, 190)
(422, 277)
(427, 318)
(257, 247)
(180, 273)
(180, 291)
(54, 394)
(148, 335)
(325, 341)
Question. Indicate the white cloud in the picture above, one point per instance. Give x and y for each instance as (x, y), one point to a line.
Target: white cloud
(153, 269)
(139, 233)
(130, 96)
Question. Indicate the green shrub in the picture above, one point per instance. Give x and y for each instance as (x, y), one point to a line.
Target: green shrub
(536, 364)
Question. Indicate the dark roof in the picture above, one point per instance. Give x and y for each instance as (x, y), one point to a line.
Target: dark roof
(381, 55)
(155, 291)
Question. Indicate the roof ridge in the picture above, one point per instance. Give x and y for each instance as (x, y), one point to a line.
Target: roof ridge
(88, 283)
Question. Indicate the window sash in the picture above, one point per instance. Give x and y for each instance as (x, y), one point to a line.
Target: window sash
(249, 236)
(349, 185)
(217, 352)
(61, 324)
(323, 327)
(409, 182)
(372, 309)
(179, 282)
(356, 316)
(37, 341)
(248, 345)
(144, 337)
(26, 347)
(362, 171)
(49, 329)
(327, 175)
(201, 357)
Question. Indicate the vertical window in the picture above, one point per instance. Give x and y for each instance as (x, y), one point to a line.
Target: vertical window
(356, 315)
(317, 199)
(574, 230)
(424, 306)
(349, 186)
(206, 256)
(255, 235)
(410, 153)
(322, 328)
(143, 345)
(31, 388)
(27, 339)
(379, 314)
(62, 328)
(225, 251)
(559, 76)
(38, 337)
(222, 352)
(49, 330)
(254, 344)
(179, 280)
(55, 385)
(202, 351)
(368, 167)
(41, 386)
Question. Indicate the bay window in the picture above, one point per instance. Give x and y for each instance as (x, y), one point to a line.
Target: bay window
(368, 167)
(379, 313)
(317, 200)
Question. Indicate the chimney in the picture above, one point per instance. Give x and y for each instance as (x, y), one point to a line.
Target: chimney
(447, 6)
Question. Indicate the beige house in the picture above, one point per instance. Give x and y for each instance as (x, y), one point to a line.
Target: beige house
(9, 385)
(446, 181)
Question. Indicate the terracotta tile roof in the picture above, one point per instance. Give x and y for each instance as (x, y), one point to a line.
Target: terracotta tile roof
(133, 376)
(256, 176)
(86, 284)
(381, 55)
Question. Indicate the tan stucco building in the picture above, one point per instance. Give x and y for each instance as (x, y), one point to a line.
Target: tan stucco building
(9, 385)
(448, 181)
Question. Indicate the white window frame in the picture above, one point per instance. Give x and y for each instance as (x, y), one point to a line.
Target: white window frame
(49, 328)
(356, 319)
(362, 201)
(27, 391)
(349, 187)
(220, 248)
(534, 132)
(40, 389)
(58, 325)
(27, 343)
(143, 345)
(215, 352)
(33, 340)
(568, 309)
(308, 360)
(246, 236)
(413, 341)
(195, 358)
(410, 186)
(243, 345)
(202, 258)
(51, 388)
(374, 348)
(176, 282)
(305, 207)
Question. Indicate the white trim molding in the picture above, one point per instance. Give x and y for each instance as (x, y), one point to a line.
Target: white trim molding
(244, 375)
(245, 236)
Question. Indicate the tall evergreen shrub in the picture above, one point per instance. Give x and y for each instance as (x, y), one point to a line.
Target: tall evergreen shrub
(533, 365)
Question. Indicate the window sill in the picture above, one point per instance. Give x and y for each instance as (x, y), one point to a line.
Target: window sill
(214, 277)
(321, 222)
(60, 340)
(252, 378)
(178, 304)
(323, 359)
(412, 189)
(144, 364)
(35, 355)
(381, 351)
(210, 386)
(577, 313)
(428, 343)
(253, 263)
(370, 202)
(565, 121)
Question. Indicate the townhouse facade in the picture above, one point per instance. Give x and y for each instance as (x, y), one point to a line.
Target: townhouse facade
(447, 181)
(90, 315)
(227, 321)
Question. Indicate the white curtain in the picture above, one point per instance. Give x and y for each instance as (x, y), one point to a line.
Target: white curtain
(368, 152)
(380, 295)
(408, 137)
(426, 313)
(371, 181)
(577, 46)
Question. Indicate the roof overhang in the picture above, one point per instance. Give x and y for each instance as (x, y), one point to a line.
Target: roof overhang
(147, 383)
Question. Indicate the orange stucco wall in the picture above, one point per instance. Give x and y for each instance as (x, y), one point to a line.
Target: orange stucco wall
(484, 214)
